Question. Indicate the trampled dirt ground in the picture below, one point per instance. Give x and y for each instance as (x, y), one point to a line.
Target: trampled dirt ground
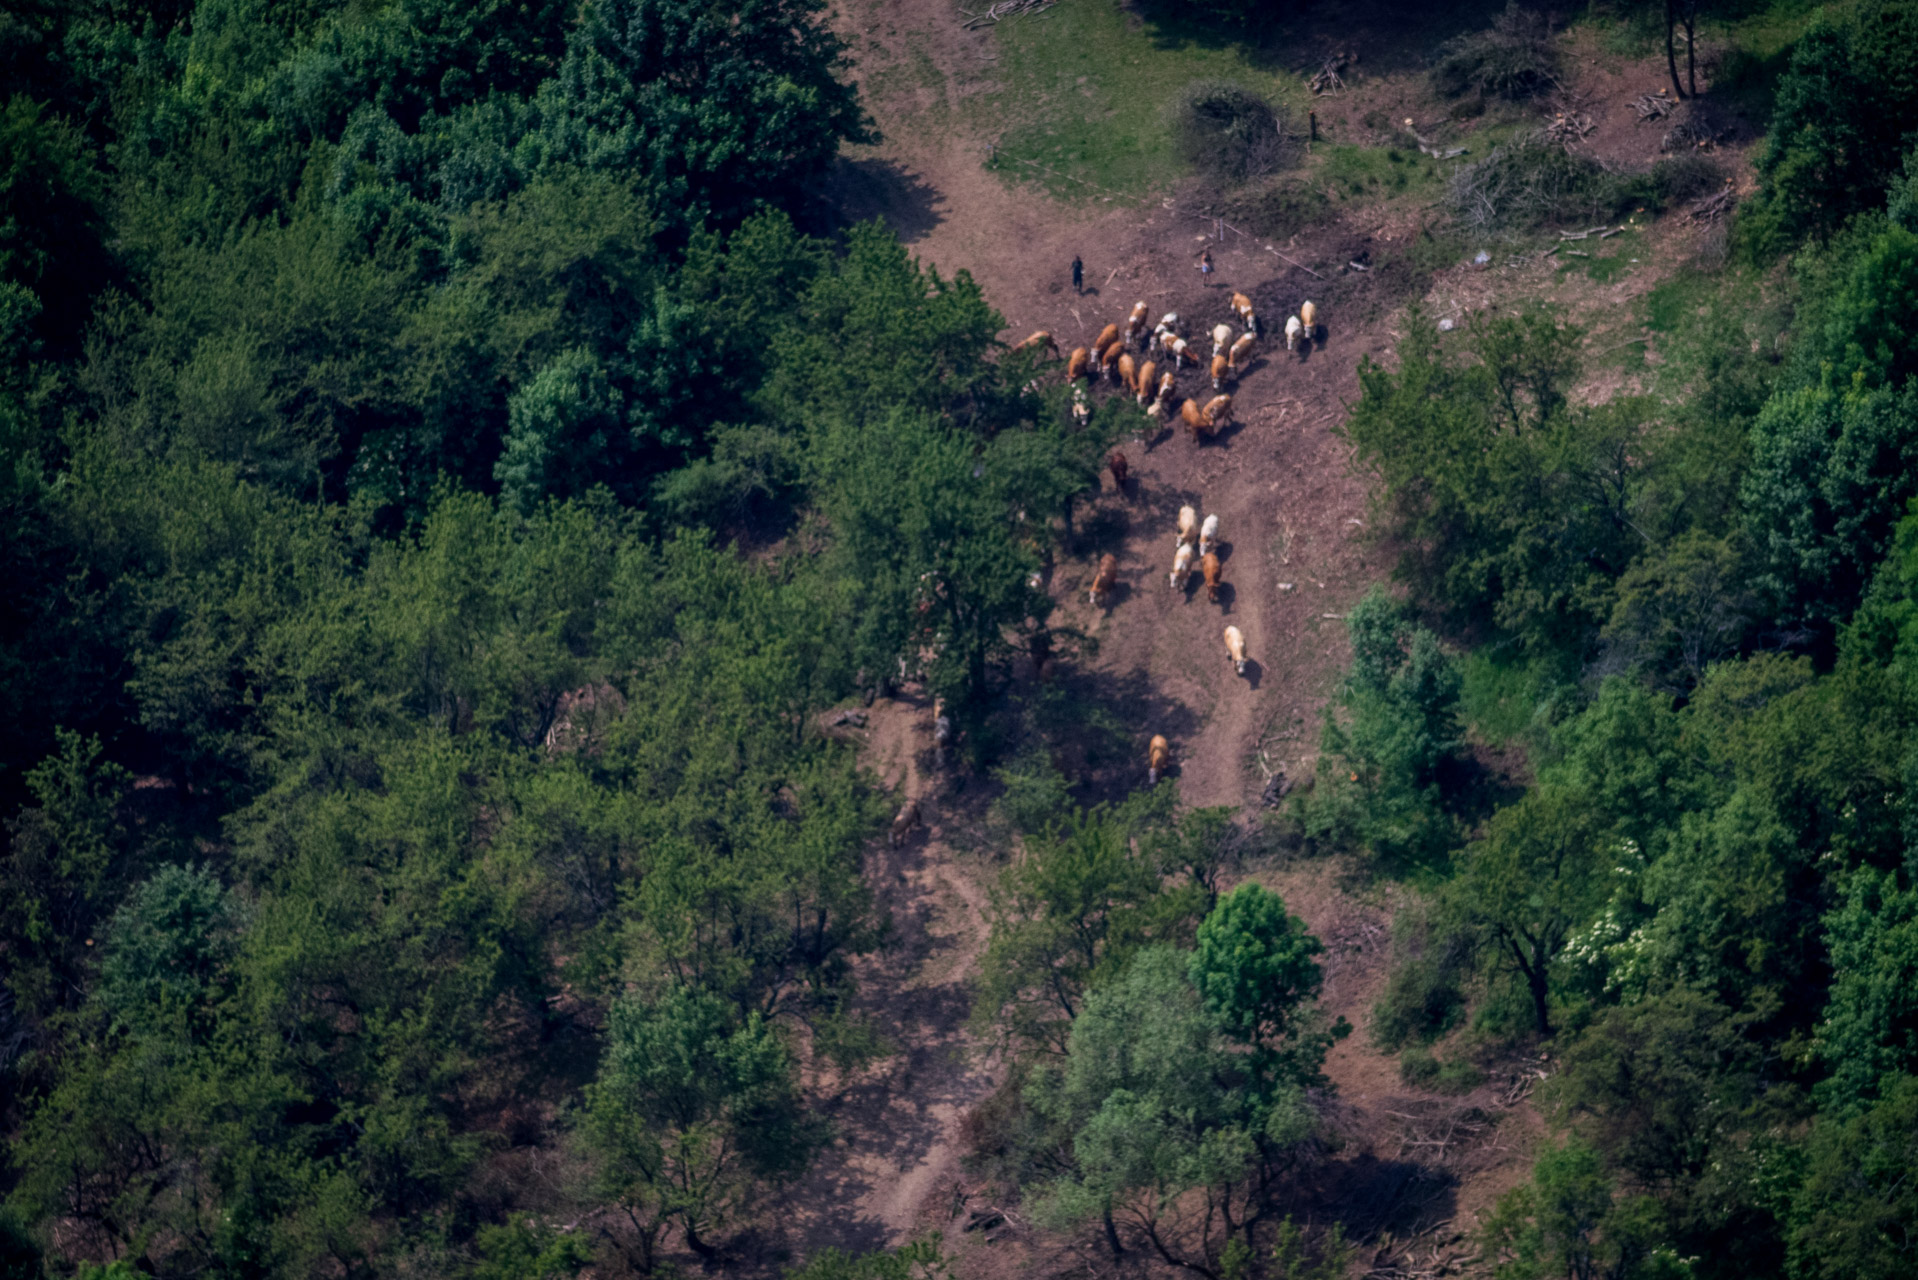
(1415, 1169)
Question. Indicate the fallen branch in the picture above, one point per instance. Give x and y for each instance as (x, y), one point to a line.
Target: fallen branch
(1002, 10)
(1300, 265)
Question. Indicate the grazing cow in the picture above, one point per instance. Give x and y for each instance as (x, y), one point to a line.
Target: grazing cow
(1147, 382)
(1116, 464)
(1104, 579)
(1183, 350)
(1210, 571)
(1170, 322)
(1294, 330)
(1309, 317)
(942, 732)
(1242, 307)
(1221, 338)
(1235, 646)
(1040, 341)
(1194, 420)
(1168, 387)
(1135, 324)
(1128, 371)
(1077, 364)
(1081, 409)
(1241, 354)
(1218, 413)
(1158, 754)
(903, 822)
(1181, 567)
(1220, 367)
(1039, 644)
(1209, 536)
(1188, 525)
(1109, 361)
(1107, 335)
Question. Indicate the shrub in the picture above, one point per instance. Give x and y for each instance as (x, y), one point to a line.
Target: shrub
(1528, 182)
(1422, 1070)
(1230, 133)
(1275, 209)
(1514, 58)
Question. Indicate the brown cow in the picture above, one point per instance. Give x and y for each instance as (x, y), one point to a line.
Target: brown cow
(1107, 335)
(1109, 360)
(1041, 341)
(1040, 646)
(1158, 755)
(1117, 465)
(1077, 365)
(1188, 525)
(1220, 367)
(1210, 571)
(1104, 580)
(1135, 324)
(1147, 382)
(1242, 307)
(1194, 420)
(1129, 373)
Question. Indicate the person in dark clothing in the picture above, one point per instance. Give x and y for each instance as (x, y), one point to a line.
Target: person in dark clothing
(1078, 275)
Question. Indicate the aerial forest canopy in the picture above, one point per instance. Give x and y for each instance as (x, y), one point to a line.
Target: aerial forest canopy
(448, 465)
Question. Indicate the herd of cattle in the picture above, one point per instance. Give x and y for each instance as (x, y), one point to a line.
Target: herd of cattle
(1155, 387)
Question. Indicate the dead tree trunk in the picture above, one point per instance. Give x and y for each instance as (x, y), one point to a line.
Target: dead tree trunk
(1671, 52)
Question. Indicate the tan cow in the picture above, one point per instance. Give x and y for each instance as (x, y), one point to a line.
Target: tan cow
(1241, 354)
(903, 822)
(1104, 580)
(1077, 365)
(1168, 387)
(1040, 341)
(1309, 317)
(1147, 381)
(1220, 367)
(1210, 570)
(1235, 646)
(1218, 413)
(1109, 360)
(1294, 330)
(1221, 338)
(1158, 755)
(1194, 420)
(1188, 525)
(1181, 567)
(1209, 535)
(1128, 371)
(1242, 307)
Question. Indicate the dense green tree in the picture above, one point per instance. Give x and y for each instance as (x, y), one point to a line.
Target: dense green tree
(691, 1109)
(1570, 1221)
(1169, 1130)
(1853, 1213)
(1387, 745)
(1255, 967)
(1825, 162)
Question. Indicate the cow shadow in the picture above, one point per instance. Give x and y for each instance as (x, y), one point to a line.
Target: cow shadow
(1227, 595)
(1253, 673)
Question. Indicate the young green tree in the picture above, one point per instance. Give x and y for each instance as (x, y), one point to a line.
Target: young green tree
(694, 1110)
(1165, 1127)
(1256, 968)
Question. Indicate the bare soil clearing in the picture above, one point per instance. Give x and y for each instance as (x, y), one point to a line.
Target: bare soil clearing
(1297, 553)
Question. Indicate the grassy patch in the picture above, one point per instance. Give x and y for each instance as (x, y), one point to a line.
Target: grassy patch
(1610, 259)
(1375, 173)
(1086, 92)
(1501, 700)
